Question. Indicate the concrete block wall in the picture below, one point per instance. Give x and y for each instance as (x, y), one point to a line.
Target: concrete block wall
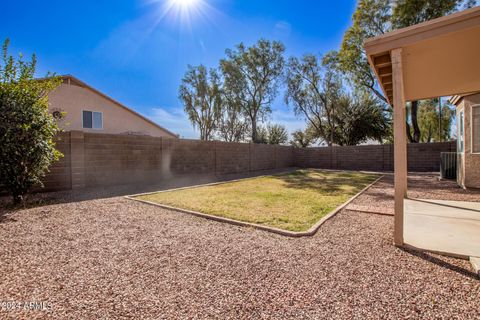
(314, 158)
(232, 157)
(94, 159)
(59, 177)
(367, 158)
(77, 162)
(284, 156)
(262, 157)
(422, 157)
(188, 156)
(119, 159)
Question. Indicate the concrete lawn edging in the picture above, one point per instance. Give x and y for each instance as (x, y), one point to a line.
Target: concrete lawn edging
(475, 261)
(293, 234)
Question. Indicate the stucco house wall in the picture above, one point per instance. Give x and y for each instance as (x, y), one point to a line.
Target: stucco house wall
(468, 161)
(72, 97)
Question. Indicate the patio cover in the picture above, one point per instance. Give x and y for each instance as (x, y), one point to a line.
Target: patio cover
(437, 58)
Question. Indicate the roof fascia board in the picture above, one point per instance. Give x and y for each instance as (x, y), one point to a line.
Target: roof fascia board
(403, 37)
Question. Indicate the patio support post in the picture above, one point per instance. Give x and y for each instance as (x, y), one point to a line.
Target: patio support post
(400, 143)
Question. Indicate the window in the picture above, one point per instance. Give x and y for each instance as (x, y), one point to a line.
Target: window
(461, 133)
(476, 129)
(92, 120)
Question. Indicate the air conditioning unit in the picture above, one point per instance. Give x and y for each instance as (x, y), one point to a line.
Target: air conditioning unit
(448, 165)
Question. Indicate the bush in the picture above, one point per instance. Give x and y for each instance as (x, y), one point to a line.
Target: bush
(27, 130)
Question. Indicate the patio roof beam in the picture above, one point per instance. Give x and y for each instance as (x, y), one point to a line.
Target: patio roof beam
(382, 61)
(385, 71)
(387, 80)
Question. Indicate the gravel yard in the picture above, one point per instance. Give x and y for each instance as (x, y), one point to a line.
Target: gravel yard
(116, 258)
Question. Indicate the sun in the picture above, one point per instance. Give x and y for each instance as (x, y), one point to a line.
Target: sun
(181, 13)
(184, 4)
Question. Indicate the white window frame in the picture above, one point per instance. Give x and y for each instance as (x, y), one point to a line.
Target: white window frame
(461, 122)
(92, 128)
(471, 129)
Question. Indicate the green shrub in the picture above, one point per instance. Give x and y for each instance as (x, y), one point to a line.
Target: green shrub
(27, 130)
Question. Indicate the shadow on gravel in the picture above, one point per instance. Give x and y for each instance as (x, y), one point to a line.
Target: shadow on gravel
(442, 263)
(32, 201)
(5, 218)
(41, 199)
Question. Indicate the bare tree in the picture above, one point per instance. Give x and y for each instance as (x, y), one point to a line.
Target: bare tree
(313, 91)
(232, 125)
(202, 99)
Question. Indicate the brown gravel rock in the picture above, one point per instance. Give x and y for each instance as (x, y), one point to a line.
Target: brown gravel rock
(115, 258)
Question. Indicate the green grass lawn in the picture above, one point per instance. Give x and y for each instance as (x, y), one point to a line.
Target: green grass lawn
(292, 201)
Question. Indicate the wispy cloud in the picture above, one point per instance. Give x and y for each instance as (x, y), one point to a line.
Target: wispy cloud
(175, 120)
(288, 119)
(282, 29)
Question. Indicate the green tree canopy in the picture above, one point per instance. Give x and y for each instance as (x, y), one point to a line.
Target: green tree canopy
(303, 138)
(430, 121)
(371, 18)
(272, 134)
(408, 12)
(358, 119)
(27, 129)
(251, 78)
(315, 89)
(277, 134)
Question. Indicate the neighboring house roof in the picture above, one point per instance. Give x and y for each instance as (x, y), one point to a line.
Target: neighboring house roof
(69, 79)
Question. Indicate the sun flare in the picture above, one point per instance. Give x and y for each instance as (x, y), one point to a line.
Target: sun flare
(183, 13)
(184, 3)
(185, 10)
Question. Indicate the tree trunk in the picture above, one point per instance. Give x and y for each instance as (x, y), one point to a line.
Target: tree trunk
(416, 128)
(254, 130)
(409, 133)
(332, 136)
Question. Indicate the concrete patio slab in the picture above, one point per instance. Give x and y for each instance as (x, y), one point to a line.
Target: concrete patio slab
(451, 227)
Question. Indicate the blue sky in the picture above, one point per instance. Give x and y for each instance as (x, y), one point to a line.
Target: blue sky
(137, 52)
